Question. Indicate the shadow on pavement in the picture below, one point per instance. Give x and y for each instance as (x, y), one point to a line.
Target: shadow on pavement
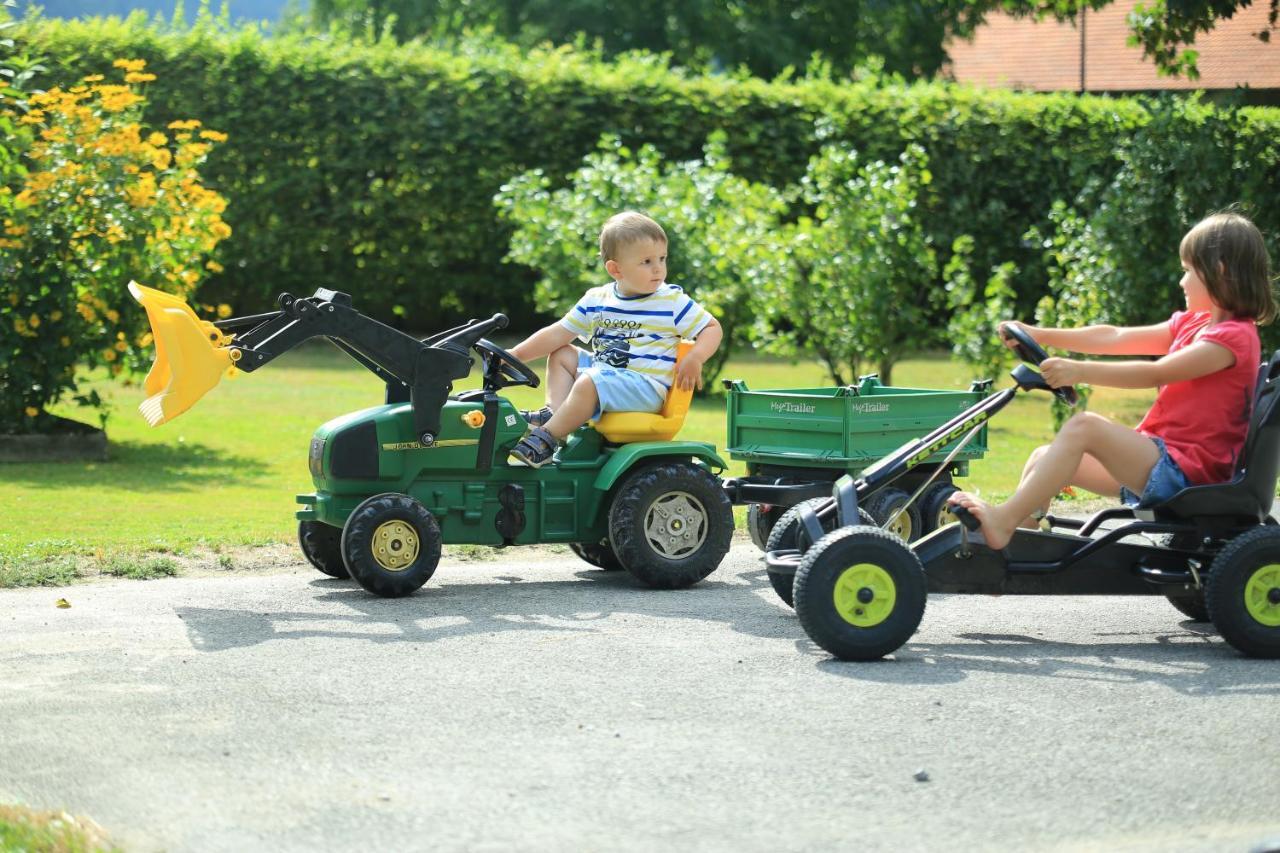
(1194, 662)
(449, 610)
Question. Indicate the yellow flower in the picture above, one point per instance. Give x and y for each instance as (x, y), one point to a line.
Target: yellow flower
(224, 311)
(138, 77)
(34, 321)
(157, 139)
(121, 346)
(93, 78)
(213, 136)
(113, 316)
(130, 65)
(213, 266)
(161, 159)
(189, 124)
(31, 411)
(109, 355)
(55, 316)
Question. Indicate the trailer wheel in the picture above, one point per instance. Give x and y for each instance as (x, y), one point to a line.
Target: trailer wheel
(860, 593)
(670, 524)
(882, 506)
(599, 554)
(934, 511)
(761, 520)
(785, 537)
(391, 544)
(1243, 592)
(322, 546)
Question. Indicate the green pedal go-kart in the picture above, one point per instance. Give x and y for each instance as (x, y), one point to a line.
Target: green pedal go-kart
(1213, 551)
(394, 482)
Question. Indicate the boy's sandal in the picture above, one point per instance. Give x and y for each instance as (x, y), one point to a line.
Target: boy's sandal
(537, 417)
(536, 449)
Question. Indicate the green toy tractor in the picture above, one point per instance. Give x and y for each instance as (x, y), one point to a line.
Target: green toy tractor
(395, 482)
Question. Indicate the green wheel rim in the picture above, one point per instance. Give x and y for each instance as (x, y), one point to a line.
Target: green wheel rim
(1258, 595)
(865, 595)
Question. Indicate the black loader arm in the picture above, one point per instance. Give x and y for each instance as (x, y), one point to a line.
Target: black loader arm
(419, 372)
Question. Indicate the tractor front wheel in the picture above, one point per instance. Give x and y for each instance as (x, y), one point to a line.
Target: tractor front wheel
(391, 544)
(322, 546)
(670, 524)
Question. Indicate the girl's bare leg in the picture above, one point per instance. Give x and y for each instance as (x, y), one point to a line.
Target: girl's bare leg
(576, 410)
(1089, 475)
(562, 370)
(1125, 456)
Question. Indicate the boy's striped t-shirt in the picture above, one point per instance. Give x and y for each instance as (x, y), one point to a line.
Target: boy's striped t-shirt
(638, 333)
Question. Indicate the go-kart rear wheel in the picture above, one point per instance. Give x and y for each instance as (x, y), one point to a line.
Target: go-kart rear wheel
(322, 546)
(1190, 603)
(670, 524)
(599, 554)
(1243, 592)
(391, 544)
(761, 519)
(785, 536)
(860, 593)
(884, 504)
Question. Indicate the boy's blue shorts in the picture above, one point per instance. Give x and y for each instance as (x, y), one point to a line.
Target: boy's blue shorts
(1166, 480)
(619, 389)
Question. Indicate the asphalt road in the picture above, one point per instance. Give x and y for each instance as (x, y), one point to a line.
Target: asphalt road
(532, 704)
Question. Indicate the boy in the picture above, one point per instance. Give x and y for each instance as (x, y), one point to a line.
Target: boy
(632, 326)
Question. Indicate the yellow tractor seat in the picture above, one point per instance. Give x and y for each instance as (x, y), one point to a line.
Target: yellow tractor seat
(627, 427)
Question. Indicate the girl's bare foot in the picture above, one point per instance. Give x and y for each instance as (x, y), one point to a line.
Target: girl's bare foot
(996, 529)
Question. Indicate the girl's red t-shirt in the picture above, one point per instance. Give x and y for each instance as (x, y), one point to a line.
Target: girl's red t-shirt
(1203, 422)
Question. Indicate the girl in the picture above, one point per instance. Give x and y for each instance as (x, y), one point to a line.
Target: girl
(1206, 374)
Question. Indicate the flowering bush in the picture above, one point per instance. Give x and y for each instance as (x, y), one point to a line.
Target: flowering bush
(102, 200)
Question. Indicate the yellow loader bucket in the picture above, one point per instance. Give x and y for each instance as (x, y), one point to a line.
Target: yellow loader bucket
(191, 355)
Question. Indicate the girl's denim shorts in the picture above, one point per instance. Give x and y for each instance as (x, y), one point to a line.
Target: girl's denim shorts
(1166, 480)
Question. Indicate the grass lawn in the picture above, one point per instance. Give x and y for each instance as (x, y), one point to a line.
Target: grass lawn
(225, 473)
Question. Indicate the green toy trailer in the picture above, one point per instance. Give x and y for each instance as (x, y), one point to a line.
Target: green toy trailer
(394, 482)
(797, 442)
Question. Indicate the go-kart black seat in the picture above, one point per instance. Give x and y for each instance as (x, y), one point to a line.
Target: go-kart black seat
(1249, 494)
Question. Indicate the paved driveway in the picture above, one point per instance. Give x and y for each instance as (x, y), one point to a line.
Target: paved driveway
(531, 704)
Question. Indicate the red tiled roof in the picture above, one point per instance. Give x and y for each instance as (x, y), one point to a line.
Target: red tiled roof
(1045, 55)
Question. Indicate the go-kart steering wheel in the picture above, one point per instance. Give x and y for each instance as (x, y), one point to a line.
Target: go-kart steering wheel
(1032, 353)
(502, 369)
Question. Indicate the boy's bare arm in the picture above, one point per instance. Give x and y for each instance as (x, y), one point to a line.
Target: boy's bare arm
(1106, 340)
(543, 342)
(689, 370)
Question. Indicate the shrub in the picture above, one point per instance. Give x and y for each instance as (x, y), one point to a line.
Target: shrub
(102, 201)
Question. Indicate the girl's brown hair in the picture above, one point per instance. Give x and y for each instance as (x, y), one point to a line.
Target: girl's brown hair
(1228, 253)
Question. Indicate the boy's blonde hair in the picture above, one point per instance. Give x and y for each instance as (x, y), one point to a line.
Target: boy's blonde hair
(1228, 253)
(626, 228)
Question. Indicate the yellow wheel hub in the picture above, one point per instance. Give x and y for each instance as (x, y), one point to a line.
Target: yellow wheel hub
(395, 545)
(865, 595)
(1262, 595)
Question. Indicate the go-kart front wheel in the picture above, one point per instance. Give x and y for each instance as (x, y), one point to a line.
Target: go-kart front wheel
(860, 593)
(670, 524)
(1243, 592)
(322, 546)
(391, 544)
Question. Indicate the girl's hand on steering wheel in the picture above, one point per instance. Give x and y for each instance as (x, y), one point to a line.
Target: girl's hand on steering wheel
(1062, 372)
(1006, 338)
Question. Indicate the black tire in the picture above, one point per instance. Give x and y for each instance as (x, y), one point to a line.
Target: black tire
(840, 568)
(670, 524)
(598, 554)
(933, 507)
(1189, 602)
(884, 503)
(784, 536)
(760, 523)
(391, 544)
(1243, 592)
(322, 546)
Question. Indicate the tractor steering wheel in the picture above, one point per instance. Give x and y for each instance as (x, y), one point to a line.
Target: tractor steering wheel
(1032, 353)
(502, 369)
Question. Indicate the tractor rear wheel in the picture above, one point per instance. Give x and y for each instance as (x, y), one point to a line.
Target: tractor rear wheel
(670, 524)
(391, 544)
(599, 554)
(322, 546)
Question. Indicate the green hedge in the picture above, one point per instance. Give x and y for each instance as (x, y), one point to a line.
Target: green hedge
(372, 168)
